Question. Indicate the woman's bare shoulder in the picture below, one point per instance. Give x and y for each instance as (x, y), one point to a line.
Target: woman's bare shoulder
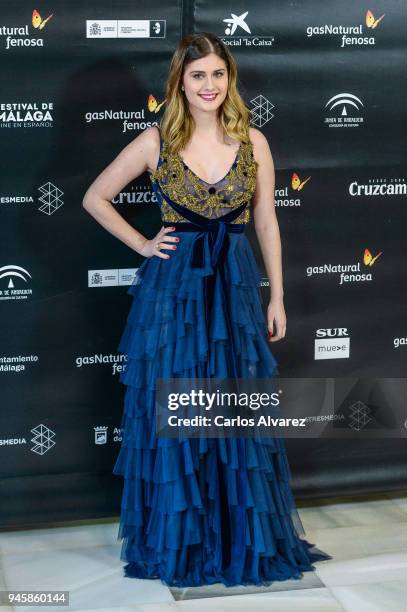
(261, 148)
(138, 156)
(257, 137)
(150, 141)
(152, 133)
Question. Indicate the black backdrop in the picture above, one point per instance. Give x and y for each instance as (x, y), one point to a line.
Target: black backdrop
(324, 81)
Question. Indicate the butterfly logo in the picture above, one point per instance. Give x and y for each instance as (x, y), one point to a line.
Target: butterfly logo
(153, 105)
(38, 21)
(368, 258)
(296, 182)
(371, 22)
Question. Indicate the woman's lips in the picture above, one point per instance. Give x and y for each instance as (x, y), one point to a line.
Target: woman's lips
(208, 98)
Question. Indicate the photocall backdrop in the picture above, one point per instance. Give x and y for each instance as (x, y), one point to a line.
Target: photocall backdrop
(80, 81)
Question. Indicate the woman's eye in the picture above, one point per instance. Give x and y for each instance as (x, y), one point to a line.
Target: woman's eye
(219, 74)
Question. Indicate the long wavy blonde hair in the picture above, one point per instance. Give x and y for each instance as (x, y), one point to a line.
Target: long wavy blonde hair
(177, 123)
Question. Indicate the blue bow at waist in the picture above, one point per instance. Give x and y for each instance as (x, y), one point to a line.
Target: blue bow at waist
(213, 230)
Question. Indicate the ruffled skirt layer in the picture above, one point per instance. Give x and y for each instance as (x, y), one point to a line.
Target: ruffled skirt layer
(201, 511)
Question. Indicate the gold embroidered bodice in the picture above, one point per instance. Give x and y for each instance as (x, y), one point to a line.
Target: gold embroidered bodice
(211, 200)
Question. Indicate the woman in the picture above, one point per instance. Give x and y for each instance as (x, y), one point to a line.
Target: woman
(197, 512)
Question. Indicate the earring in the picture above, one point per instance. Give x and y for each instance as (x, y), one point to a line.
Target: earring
(182, 87)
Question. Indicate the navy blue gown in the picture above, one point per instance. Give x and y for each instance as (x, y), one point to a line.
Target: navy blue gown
(200, 511)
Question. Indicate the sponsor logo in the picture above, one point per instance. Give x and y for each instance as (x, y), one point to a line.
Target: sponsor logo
(283, 197)
(238, 33)
(101, 436)
(332, 343)
(111, 278)
(378, 187)
(8, 276)
(126, 28)
(347, 273)
(360, 35)
(16, 363)
(43, 439)
(260, 108)
(101, 358)
(26, 114)
(23, 35)
(343, 107)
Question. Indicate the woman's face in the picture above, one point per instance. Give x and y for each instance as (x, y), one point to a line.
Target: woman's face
(206, 82)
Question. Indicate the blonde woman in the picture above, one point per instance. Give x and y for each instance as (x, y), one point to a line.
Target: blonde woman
(196, 512)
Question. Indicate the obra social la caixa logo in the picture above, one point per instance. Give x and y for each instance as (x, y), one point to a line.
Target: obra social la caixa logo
(24, 35)
(238, 33)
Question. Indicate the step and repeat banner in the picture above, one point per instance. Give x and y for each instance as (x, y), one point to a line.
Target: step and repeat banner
(79, 81)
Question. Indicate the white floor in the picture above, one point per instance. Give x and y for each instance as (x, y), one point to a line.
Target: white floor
(366, 536)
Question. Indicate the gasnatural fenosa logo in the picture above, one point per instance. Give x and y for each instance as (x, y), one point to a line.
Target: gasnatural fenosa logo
(21, 36)
(349, 35)
(347, 273)
(283, 197)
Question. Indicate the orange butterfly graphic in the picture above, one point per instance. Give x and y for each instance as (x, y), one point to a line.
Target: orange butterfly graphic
(153, 105)
(38, 21)
(296, 183)
(371, 22)
(368, 258)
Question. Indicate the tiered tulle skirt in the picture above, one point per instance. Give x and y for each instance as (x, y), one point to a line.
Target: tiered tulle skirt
(193, 512)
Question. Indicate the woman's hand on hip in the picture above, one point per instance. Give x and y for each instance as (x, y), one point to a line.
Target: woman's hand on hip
(160, 242)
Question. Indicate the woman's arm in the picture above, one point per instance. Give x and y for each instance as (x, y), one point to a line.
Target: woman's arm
(138, 156)
(267, 231)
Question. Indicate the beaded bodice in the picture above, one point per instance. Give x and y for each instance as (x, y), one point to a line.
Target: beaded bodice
(179, 183)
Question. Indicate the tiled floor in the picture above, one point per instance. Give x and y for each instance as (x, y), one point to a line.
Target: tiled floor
(367, 538)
